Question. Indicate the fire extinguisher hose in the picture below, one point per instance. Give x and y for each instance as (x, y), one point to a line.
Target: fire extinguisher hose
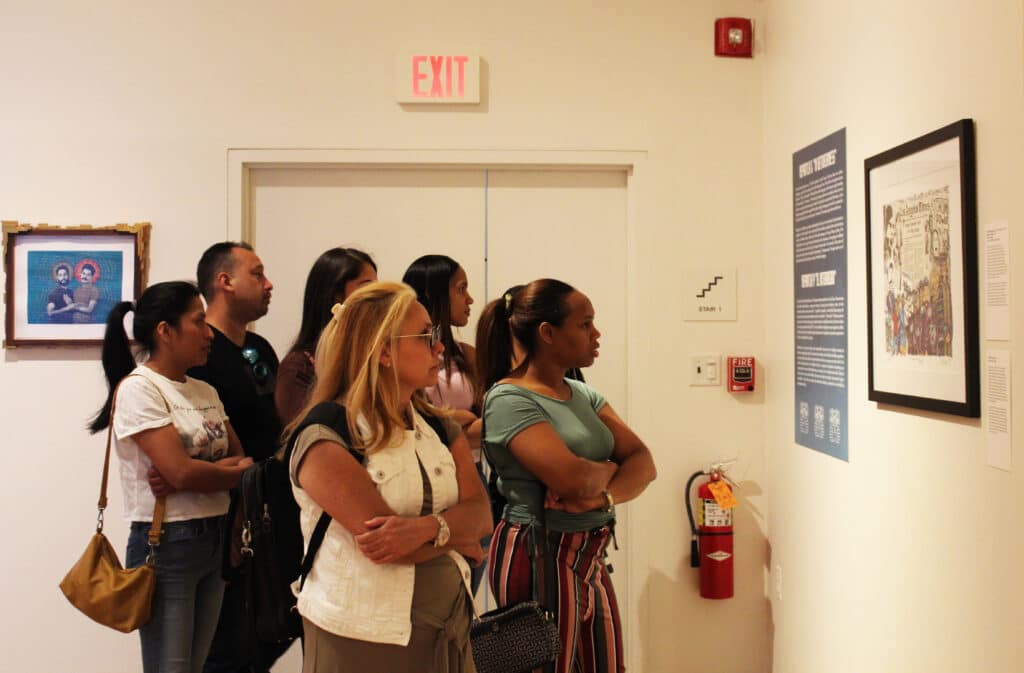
(694, 547)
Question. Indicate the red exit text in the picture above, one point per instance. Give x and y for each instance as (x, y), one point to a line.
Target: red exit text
(439, 76)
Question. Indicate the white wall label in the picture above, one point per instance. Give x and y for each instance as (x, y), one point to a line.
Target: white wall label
(709, 293)
(437, 77)
(997, 281)
(998, 408)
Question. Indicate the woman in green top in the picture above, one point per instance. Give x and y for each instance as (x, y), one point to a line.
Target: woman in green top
(563, 458)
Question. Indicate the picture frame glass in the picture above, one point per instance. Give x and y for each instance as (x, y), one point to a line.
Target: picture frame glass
(917, 278)
(58, 271)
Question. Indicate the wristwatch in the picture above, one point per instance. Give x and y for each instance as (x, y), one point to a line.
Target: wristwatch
(444, 533)
(609, 501)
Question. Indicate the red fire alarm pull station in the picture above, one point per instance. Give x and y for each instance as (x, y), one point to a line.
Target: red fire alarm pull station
(734, 37)
(741, 374)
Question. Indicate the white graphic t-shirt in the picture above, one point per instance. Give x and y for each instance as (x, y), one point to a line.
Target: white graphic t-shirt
(196, 413)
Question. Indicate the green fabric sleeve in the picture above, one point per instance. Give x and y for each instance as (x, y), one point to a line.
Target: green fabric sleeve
(508, 413)
(595, 398)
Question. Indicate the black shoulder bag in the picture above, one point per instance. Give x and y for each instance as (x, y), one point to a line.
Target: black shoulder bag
(521, 637)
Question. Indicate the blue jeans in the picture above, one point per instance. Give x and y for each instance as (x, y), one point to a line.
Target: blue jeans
(188, 593)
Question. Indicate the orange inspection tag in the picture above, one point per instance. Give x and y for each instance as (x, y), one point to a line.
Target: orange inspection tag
(723, 494)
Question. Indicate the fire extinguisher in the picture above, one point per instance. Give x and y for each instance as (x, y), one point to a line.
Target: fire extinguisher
(711, 537)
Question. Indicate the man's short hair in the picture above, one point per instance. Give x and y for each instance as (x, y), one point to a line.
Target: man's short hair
(90, 267)
(218, 258)
(66, 267)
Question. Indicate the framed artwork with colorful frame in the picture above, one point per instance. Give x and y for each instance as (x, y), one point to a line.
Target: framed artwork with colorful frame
(61, 282)
(922, 273)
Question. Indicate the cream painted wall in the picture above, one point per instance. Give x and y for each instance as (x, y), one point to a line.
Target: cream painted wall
(907, 558)
(117, 111)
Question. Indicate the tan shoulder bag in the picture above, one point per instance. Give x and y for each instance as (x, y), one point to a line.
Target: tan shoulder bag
(98, 584)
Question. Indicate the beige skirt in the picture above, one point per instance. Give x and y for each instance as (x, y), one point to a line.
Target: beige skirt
(441, 613)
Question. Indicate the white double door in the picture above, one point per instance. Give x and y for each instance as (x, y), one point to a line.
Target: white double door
(503, 226)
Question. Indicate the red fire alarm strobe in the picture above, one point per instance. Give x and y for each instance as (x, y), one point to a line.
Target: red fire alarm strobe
(734, 37)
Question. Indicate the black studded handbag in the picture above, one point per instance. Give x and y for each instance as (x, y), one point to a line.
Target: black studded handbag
(514, 639)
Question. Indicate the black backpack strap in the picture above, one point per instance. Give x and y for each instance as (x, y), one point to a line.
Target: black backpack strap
(437, 425)
(332, 415)
(315, 540)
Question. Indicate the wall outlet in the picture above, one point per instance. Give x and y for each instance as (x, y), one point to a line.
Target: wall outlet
(705, 369)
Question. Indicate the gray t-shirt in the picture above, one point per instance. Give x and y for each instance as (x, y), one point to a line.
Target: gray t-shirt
(510, 409)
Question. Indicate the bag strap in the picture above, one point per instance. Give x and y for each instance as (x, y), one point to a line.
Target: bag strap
(537, 549)
(335, 417)
(437, 425)
(315, 540)
(160, 507)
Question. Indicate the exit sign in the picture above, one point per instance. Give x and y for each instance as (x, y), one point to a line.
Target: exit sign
(437, 77)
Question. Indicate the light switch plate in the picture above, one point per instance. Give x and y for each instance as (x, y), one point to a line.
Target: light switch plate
(705, 369)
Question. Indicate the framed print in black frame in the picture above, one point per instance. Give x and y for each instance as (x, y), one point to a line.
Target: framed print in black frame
(922, 273)
(61, 282)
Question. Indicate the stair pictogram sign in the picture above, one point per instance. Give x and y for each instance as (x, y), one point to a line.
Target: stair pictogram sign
(710, 285)
(710, 293)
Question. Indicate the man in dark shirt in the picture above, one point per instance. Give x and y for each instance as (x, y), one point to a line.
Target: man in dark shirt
(60, 302)
(242, 367)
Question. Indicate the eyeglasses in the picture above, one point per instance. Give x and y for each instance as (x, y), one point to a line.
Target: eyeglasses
(260, 370)
(433, 337)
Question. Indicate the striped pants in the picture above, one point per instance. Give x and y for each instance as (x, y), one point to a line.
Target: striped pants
(575, 571)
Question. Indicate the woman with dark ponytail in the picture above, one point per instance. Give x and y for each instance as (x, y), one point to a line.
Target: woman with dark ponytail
(166, 422)
(564, 458)
(335, 275)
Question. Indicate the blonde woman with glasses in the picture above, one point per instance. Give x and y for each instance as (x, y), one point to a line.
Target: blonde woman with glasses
(389, 587)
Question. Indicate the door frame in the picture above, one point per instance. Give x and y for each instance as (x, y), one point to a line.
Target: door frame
(242, 161)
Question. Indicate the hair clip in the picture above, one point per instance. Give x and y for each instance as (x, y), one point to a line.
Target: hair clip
(508, 302)
(336, 311)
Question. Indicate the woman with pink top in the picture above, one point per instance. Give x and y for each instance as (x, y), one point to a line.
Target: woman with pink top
(442, 286)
